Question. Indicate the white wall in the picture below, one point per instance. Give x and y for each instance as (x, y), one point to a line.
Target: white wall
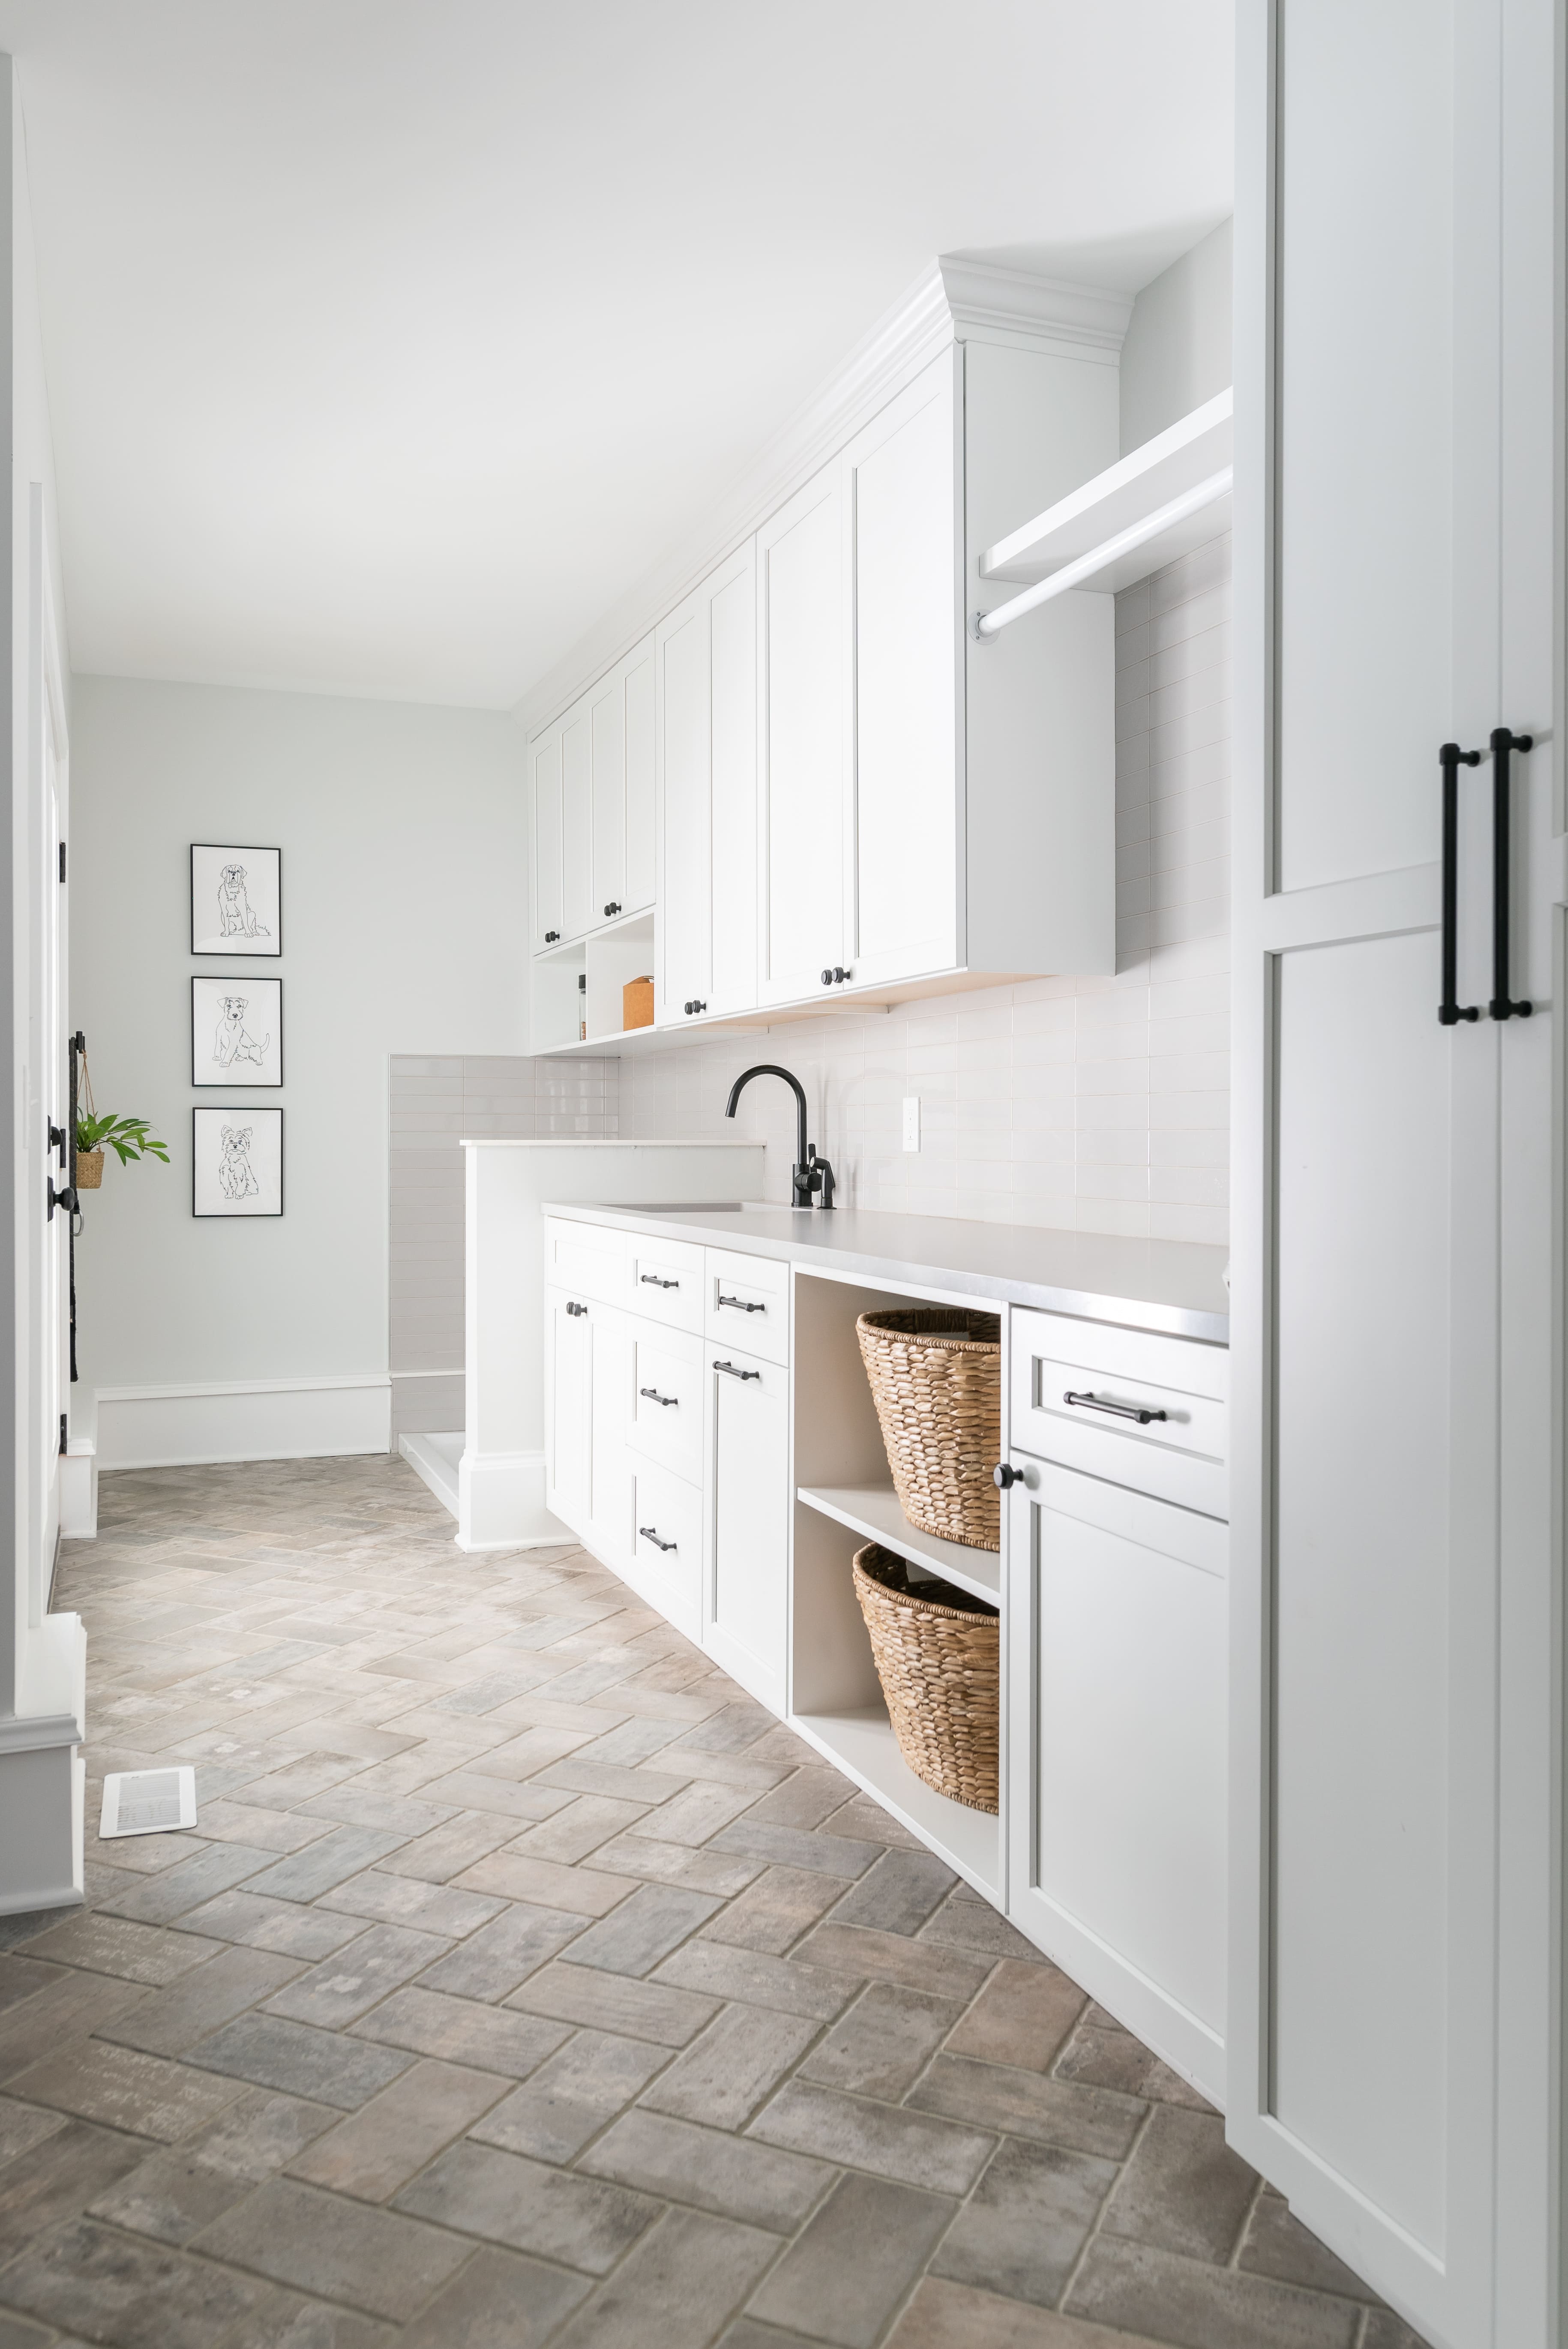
(1177, 350)
(1095, 1104)
(404, 897)
(434, 1103)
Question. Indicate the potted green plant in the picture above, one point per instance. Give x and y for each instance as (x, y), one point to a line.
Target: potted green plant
(127, 1137)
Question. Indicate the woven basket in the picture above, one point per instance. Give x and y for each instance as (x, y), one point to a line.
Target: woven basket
(937, 1658)
(936, 1379)
(89, 1170)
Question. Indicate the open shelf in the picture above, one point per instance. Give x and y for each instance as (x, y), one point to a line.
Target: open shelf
(872, 1512)
(1167, 497)
(862, 1746)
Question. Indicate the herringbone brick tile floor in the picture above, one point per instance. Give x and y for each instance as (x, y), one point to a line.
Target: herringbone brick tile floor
(524, 1982)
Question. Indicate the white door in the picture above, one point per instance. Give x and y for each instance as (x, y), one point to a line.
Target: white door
(1116, 1753)
(641, 761)
(547, 900)
(732, 706)
(686, 903)
(904, 481)
(1392, 2009)
(570, 1435)
(804, 658)
(607, 756)
(609, 1468)
(577, 818)
(748, 1579)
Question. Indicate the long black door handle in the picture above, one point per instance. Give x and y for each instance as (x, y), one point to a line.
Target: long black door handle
(741, 1306)
(1117, 1410)
(730, 1371)
(652, 1395)
(1503, 744)
(1450, 758)
(648, 1534)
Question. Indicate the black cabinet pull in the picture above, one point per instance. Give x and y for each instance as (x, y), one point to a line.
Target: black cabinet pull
(576, 1308)
(1118, 1410)
(690, 1007)
(1503, 742)
(739, 1305)
(836, 976)
(1005, 1476)
(613, 907)
(670, 1402)
(550, 937)
(652, 1280)
(647, 1534)
(730, 1371)
(1451, 759)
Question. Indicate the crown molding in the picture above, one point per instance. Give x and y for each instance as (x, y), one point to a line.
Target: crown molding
(952, 301)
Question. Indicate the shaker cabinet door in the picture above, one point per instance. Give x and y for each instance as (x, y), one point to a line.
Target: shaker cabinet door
(545, 762)
(577, 818)
(749, 1567)
(803, 664)
(904, 477)
(607, 757)
(569, 1434)
(641, 756)
(1117, 1657)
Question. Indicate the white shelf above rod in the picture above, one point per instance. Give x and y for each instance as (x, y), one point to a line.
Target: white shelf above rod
(1151, 507)
(1099, 559)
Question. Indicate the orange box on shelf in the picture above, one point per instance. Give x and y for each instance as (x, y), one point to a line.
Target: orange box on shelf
(637, 1003)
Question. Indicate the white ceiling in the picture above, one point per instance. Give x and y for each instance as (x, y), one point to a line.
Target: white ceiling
(389, 341)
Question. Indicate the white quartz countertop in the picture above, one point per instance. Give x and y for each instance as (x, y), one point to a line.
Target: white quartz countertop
(1175, 1286)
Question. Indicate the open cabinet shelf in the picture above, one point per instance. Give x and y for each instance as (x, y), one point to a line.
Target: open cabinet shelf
(872, 1512)
(862, 1746)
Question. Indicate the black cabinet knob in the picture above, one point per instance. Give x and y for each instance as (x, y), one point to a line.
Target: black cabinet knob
(827, 978)
(550, 937)
(840, 974)
(695, 1007)
(613, 907)
(1006, 1475)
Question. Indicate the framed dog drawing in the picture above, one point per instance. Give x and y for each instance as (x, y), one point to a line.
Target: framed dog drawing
(236, 1031)
(236, 900)
(237, 1162)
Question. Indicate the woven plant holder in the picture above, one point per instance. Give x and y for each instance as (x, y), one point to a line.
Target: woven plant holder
(935, 1372)
(89, 1170)
(937, 1658)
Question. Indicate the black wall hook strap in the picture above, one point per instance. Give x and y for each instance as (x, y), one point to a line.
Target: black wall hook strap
(1503, 744)
(1451, 759)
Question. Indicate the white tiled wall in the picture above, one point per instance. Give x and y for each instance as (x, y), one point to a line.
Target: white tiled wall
(1102, 1104)
(433, 1104)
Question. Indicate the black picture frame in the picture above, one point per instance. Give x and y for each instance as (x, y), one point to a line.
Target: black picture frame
(216, 1193)
(209, 996)
(261, 873)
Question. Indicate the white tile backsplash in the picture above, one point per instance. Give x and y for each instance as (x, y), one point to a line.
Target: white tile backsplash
(1100, 1104)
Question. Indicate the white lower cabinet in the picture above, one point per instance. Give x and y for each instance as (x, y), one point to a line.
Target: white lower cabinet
(666, 1544)
(1116, 1710)
(569, 1420)
(744, 1626)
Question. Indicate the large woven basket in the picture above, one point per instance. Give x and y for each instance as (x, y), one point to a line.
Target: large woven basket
(936, 1379)
(937, 1658)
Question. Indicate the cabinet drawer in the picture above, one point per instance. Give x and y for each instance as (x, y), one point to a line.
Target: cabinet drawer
(1179, 1452)
(585, 1259)
(748, 1304)
(666, 1544)
(666, 1282)
(666, 1400)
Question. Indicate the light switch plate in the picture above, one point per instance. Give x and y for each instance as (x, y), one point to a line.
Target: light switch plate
(912, 1121)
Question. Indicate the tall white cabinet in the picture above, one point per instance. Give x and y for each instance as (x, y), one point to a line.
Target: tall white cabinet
(706, 671)
(1395, 2027)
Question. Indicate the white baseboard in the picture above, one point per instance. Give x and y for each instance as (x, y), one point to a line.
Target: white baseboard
(434, 1459)
(244, 1419)
(500, 1504)
(41, 1797)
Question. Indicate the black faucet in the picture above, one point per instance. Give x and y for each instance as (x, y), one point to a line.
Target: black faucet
(810, 1177)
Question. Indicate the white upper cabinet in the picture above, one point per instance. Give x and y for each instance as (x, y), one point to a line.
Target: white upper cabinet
(901, 480)
(577, 817)
(607, 755)
(640, 862)
(802, 682)
(706, 672)
(544, 761)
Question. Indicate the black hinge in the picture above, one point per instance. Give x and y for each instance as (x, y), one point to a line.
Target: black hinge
(62, 1430)
(62, 860)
